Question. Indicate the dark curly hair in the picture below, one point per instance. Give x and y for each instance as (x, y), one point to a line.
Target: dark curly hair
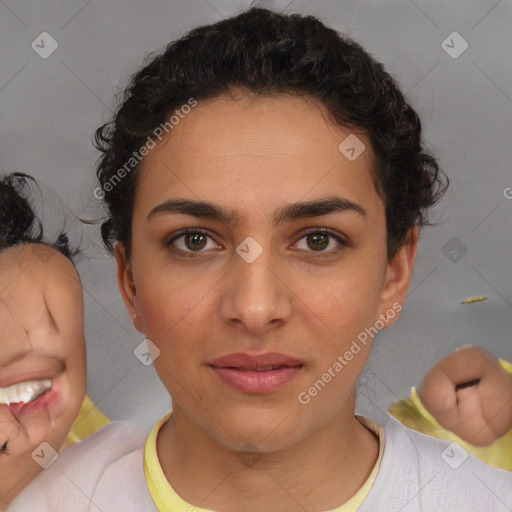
(18, 222)
(268, 53)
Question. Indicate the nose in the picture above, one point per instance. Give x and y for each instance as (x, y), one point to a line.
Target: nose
(256, 296)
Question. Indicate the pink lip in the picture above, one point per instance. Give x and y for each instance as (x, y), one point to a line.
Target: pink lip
(238, 371)
(243, 360)
(39, 404)
(257, 381)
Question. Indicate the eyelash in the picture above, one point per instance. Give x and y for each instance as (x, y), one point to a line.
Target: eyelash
(315, 254)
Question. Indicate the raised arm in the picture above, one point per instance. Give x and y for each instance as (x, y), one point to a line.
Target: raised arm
(470, 394)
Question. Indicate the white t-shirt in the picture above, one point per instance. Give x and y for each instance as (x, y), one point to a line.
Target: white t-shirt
(418, 473)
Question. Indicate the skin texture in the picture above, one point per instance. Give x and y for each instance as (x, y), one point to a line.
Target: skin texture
(254, 156)
(479, 414)
(41, 336)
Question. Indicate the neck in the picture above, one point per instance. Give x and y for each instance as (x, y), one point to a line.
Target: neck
(334, 461)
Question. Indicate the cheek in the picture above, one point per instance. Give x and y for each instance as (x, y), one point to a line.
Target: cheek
(166, 294)
(77, 365)
(341, 313)
(72, 341)
(169, 294)
(346, 299)
(165, 307)
(177, 318)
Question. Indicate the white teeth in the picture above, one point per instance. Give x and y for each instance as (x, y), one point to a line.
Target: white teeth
(24, 391)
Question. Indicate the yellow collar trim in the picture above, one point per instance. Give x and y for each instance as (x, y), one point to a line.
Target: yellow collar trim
(167, 499)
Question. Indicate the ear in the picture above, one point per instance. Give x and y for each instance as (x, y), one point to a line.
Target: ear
(126, 285)
(397, 278)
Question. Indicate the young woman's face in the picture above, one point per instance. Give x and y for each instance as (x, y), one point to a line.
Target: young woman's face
(42, 349)
(285, 272)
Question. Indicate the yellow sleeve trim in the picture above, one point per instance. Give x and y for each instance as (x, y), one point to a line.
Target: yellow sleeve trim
(412, 413)
(506, 365)
(89, 420)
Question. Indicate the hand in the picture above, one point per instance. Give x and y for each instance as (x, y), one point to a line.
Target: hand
(470, 394)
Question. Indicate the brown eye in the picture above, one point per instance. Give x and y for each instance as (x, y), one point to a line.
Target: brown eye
(195, 241)
(322, 241)
(191, 241)
(318, 241)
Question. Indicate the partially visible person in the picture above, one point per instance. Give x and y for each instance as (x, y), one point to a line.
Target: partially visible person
(465, 398)
(43, 407)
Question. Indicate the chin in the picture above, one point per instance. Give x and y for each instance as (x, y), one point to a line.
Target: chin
(263, 436)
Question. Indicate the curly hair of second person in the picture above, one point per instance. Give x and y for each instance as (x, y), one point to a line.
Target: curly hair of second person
(18, 221)
(263, 53)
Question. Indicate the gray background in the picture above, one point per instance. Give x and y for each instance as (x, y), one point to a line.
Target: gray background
(50, 107)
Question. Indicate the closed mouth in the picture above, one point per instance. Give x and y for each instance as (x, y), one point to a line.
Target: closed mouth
(261, 368)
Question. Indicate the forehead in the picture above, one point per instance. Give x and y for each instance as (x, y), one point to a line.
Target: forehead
(242, 148)
(34, 279)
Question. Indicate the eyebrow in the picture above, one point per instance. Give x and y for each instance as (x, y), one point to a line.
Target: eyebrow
(288, 213)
